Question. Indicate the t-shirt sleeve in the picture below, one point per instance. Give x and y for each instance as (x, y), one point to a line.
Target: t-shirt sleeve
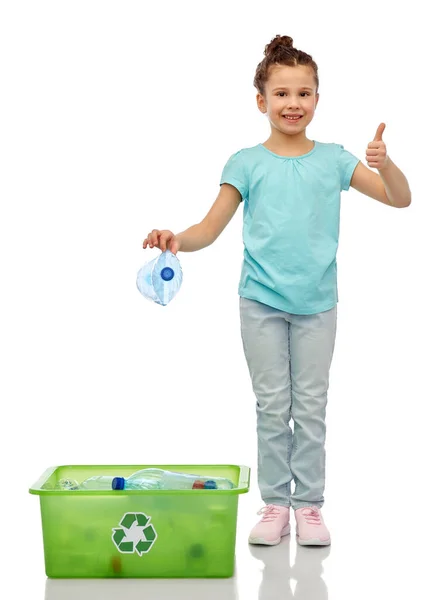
(347, 163)
(234, 172)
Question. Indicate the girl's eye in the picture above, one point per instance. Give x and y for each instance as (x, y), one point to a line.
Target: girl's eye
(281, 94)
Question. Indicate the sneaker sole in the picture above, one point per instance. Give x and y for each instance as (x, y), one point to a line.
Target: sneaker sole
(313, 542)
(261, 541)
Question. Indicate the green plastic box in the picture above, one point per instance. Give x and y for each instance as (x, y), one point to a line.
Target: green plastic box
(139, 533)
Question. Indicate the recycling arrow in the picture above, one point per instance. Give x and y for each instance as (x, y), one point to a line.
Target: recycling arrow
(135, 534)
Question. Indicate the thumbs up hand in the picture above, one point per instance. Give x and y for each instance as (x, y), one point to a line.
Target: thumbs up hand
(376, 154)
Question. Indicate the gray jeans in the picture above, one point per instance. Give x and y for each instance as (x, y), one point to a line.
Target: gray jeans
(289, 358)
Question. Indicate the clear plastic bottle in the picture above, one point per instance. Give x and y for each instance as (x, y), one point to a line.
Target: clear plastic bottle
(152, 479)
(160, 279)
(99, 482)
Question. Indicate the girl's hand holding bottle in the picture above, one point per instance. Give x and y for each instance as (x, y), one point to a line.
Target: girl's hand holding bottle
(164, 240)
(160, 279)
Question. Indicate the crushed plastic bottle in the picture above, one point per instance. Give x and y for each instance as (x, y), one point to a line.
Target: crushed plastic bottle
(161, 278)
(152, 479)
(66, 484)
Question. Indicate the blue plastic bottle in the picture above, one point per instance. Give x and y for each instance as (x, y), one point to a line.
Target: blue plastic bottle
(160, 279)
(152, 479)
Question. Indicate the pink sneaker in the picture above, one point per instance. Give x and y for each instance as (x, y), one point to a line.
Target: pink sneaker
(310, 527)
(274, 524)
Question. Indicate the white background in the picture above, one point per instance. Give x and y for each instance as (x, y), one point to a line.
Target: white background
(118, 117)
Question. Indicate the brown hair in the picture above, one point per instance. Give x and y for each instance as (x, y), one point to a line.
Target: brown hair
(280, 51)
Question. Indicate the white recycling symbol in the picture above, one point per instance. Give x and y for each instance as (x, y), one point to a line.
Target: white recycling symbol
(135, 534)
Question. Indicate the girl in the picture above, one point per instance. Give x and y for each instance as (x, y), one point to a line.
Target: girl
(291, 187)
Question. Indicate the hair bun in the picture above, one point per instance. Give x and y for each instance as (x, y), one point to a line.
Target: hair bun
(280, 41)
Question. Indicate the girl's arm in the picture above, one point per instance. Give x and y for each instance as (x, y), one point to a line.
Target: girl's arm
(204, 233)
(390, 186)
(396, 185)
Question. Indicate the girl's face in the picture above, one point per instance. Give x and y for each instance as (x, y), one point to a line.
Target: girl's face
(290, 92)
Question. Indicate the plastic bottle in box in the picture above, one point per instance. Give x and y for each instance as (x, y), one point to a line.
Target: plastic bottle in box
(99, 482)
(149, 479)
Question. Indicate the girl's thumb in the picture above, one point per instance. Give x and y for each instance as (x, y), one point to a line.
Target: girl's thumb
(174, 246)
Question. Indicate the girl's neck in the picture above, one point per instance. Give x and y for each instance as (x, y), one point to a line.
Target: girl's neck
(288, 145)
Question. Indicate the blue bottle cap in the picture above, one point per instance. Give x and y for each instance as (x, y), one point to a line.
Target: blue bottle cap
(118, 483)
(210, 485)
(167, 274)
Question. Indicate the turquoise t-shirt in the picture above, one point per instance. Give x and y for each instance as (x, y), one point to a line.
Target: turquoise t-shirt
(291, 224)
